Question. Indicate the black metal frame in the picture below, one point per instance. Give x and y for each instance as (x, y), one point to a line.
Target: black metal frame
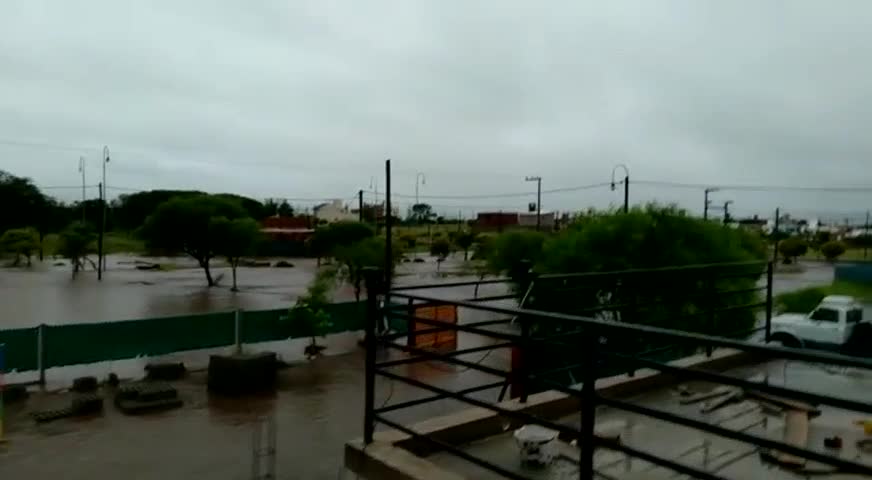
(595, 338)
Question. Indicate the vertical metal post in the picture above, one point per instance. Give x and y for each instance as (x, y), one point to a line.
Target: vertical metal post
(769, 269)
(372, 278)
(538, 203)
(360, 206)
(587, 442)
(627, 193)
(775, 235)
(40, 353)
(100, 239)
(522, 371)
(389, 224)
(237, 332)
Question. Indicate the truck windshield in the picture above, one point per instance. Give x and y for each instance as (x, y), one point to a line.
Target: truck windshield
(855, 315)
(825, 315)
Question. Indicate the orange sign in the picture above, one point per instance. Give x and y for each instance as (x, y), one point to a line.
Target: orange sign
(445, 339)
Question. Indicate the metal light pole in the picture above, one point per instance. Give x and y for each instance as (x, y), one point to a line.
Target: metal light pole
(626, 184)
(102, 258)
(420, 179)
(727, 211)
(706, 205)
(538, 181)
(84, 194)
(866, 237)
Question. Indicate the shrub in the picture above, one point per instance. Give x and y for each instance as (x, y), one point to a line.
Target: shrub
(832, 250)
(791, 248)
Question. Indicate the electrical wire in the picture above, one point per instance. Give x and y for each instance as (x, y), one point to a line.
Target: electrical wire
(851, 189)
(500, 195)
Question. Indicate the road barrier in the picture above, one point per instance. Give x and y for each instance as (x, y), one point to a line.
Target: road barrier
(46, 346)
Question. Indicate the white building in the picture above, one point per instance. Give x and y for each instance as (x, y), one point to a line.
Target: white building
(333, 211)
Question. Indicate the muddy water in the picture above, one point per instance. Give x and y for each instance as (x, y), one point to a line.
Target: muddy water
(318, 408)
(47, 293)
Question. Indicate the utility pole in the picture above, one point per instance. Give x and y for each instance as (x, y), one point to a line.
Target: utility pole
(420, 179)
(84, 194)
(389, 223)
(360, 205)
(775, 235)
(100, 243)
(538, 181)
(866, 237)
(727, 211)
(626, 184)
(707, 202)
(105, 198)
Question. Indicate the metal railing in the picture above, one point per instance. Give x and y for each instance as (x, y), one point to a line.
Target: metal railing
(590, 339)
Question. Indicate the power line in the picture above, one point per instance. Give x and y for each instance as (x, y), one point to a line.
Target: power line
(50, 146)
(500, 195)
(761, 188)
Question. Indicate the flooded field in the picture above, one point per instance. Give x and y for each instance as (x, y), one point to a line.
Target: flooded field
(47, 294)
(318, 408)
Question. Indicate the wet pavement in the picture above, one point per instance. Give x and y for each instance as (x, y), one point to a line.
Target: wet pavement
(724, 457)
(319, 406)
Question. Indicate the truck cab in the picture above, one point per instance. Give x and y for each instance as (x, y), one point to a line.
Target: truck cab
(828, 327)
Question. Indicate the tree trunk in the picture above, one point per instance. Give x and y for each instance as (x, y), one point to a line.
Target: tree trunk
(41, 238)
(205, 265)
(233, 266)
(465, 254)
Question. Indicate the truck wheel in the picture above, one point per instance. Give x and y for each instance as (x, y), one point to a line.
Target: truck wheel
(788, 341)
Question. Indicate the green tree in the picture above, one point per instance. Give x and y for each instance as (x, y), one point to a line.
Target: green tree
(327, 239)
(465, 240)
(440, 248)
(309, 313)
(21, 242)
(354, 258)
(792, 248)
(421, 213)
(832, 250)
(187, 224)
(76, 242)
(819, 239)
(236, 238)
(513, 252)
(409, 240)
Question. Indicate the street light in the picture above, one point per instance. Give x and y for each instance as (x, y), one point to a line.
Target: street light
(104, 196)
(420, 179)
(84, 195)
(626, 184)
(706, 204)
(727, 211)
(538, 181)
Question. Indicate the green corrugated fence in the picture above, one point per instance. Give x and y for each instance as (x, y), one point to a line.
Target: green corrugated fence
(96, 342)
(20, 348)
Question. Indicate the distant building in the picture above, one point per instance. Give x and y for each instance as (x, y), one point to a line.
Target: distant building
(502, 220)
(286, 236)
(333, 211)
(529, 220)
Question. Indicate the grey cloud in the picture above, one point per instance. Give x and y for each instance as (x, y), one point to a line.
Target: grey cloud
(305, 99)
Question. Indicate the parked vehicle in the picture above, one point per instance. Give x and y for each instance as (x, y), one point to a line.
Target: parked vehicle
(832, 325)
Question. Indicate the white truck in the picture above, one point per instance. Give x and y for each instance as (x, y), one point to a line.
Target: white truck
(830, 326)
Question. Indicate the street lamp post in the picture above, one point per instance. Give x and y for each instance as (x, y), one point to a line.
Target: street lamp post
(626, 184)
(101, 259)
(84, 194)
(727, 211)
(420, 179)
(538, 181)
(707, 202)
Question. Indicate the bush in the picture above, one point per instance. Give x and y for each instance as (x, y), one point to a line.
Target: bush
(832, 250)
(791, 248)
(440, 248)
(800, 301)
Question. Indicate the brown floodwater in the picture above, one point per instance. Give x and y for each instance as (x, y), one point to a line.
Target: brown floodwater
(318, 408)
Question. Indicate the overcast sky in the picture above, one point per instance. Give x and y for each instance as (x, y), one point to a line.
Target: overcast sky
(306, 99)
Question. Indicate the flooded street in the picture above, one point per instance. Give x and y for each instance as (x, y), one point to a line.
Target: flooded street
(319, 405)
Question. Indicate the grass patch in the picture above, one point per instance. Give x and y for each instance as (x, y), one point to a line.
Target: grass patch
(804, 300)
(122, 243)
